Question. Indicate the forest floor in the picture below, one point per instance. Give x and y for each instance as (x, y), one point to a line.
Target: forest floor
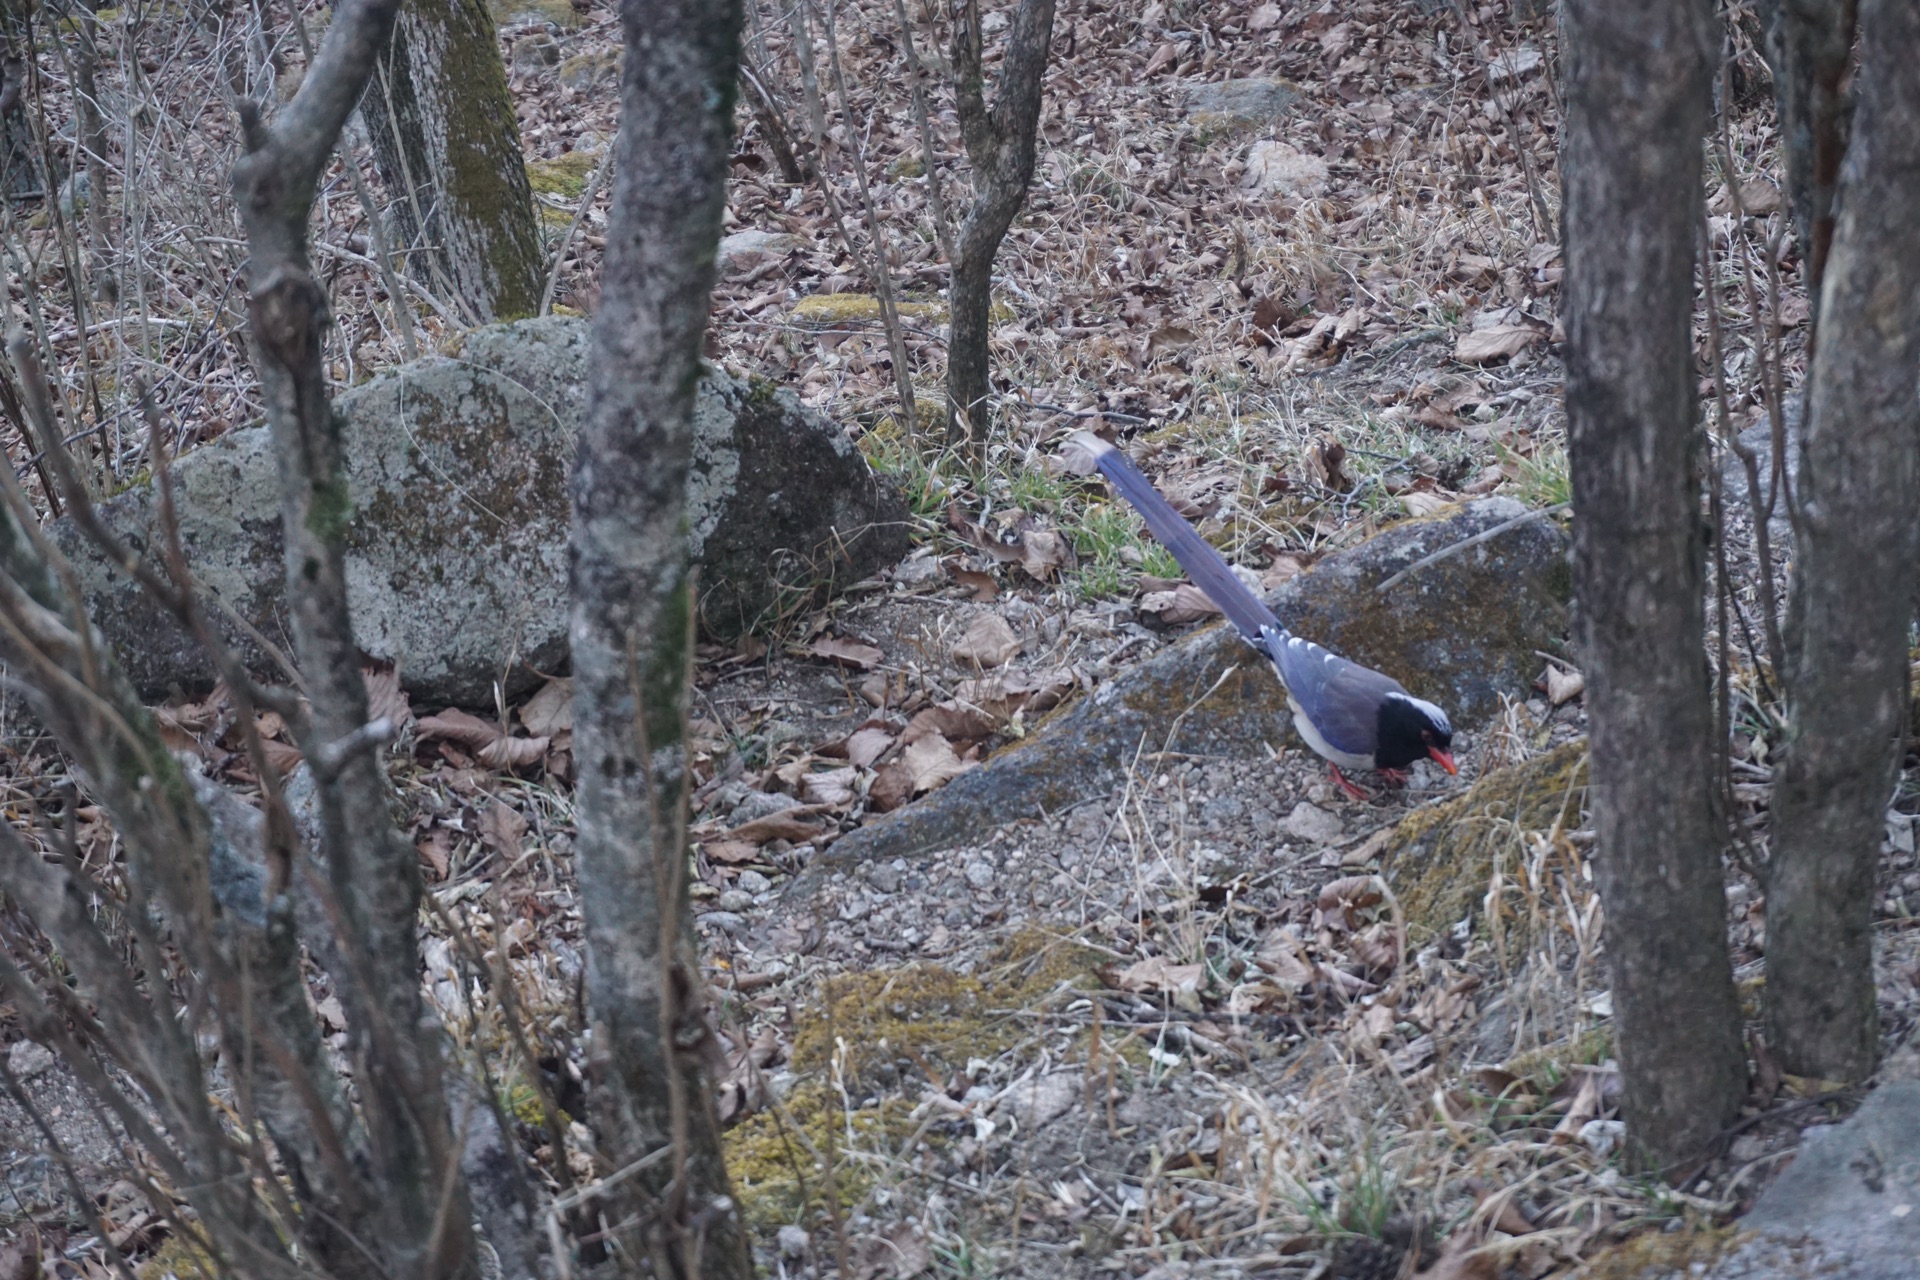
(1181, 1029)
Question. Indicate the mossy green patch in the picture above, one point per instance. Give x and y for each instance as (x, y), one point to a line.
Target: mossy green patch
(560, 13)
(825, 309)
(868, 1032)
(1661, 1253)
(1546, 1067)
(1441, 857)
(564, 176)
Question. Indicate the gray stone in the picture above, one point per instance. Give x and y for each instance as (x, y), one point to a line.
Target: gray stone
(980, 874)
(1036, 1101)
(27, 1059)
(884, 876)
(457, 547)
(1311, 823)
(1239, 103)
(1460, 632)
(747, 246)
(1848, 1207)
(735, 900)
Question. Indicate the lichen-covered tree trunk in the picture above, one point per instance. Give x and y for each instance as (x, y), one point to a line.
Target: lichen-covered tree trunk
(631, 634)
(1000, 145)
(1637, 99)
(1858, 540)
(448, 149)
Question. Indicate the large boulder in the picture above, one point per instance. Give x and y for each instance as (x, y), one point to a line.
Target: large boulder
(457, 551)
(1460, 632)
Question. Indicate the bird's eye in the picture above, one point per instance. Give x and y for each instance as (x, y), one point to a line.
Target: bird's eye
(1426, 735)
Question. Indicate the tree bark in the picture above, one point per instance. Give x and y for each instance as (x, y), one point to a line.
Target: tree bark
(1637, 101)
(448, 149)
(1847, 683)
(1000, 145)
(419, 1224)
(631, 633)
(19, 153)
(1809, 45)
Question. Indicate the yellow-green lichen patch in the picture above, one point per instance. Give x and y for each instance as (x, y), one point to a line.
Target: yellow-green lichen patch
(782, 1160)
(1544, 1068)
(1661, 1253)
(929, 1017)
(825, 309)
(564, 176)
(861, 1055)
(1442, 857)
(509, 13)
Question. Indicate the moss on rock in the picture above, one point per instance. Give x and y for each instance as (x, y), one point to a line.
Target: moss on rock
(1441, 857)
(564, 175)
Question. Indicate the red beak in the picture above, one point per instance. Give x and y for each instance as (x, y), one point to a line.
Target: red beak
(1443, 759)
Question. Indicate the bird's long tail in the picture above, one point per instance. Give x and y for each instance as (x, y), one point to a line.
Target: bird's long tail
(1248, 613)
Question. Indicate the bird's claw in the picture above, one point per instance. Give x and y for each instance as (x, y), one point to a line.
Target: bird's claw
(1352, 789)
(1393, 777)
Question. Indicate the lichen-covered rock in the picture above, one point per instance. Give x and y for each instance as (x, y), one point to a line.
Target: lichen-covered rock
(1440, 858)
(1460, 632)
(457, 550)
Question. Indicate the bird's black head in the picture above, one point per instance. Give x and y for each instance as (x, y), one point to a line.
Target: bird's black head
(1409, 730)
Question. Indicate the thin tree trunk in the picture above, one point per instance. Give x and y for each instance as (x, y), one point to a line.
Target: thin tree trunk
(631, 631)
(1000, 145)
(19, 161)
(1847, 682)
(1637, 107)
(448, 149)
(420, 1225)
(1809, 45)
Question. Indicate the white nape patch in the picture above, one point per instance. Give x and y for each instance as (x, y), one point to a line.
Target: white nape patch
(1432, 712)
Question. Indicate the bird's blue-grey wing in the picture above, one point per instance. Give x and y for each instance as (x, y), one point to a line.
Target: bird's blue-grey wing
(1342, 698)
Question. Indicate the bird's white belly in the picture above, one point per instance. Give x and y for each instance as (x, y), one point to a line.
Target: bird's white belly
(1345, 759)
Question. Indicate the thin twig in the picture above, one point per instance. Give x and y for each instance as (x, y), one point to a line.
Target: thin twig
(1466, 544)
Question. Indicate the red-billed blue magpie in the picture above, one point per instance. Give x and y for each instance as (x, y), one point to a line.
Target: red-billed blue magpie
(1350, 714)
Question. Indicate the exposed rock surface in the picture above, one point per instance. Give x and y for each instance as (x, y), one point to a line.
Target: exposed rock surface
(1460, 632)
(1848, 1207)
(1239, 103)
(457, 552)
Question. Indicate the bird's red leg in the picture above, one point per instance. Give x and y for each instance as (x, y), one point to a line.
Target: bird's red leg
(1393, 777)
(1340, 779)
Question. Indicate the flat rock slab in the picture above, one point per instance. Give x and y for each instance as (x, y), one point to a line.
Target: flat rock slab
(1460, 632)
(1848, 1207)
(457, 549)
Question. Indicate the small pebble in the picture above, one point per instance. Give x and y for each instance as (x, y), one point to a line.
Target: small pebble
(980, 874)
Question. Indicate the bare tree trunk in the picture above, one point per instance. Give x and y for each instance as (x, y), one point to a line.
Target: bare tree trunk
(1810, 48)
(448, 149)
(632, 632)
(421, 1222)
(1847, 679)
(1637, 101)
(1000, 145)
(19, 160)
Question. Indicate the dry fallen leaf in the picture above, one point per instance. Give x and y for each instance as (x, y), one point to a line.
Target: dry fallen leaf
(952, 721)
(1156, 975)
(491, 747)
(788, 824)
(988, 642)
(866, 745)
(982, 585)
(978, 538)
(1043, 553)
(1458, 1261)
(1184, 603)
(833, 788)
(1501, 342)
(1004, 693)
(1564, 684)
(502, 827)
(1326, 464)
(848, 653)
(550, 710)
(1420, 502)
(385, 696)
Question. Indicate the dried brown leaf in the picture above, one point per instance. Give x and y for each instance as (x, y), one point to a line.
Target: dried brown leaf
(1501, 342)
(1004, 693)
(1184, 603)
(1043, 553)
(502, 827)
(550, 710)
(988, 642)
(982, 585)
(848, 653)
(864, 746)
